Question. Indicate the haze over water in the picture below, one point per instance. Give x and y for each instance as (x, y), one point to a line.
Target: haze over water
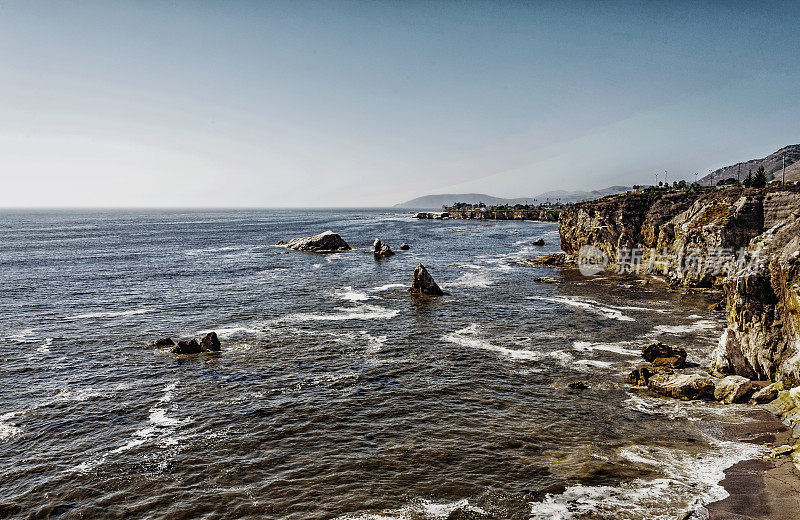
(336, 394)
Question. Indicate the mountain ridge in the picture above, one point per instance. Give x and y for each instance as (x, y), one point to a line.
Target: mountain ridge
(436, 201)
(773, 166)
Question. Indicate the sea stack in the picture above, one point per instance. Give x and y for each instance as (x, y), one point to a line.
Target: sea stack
(423, 283)
(381, 250)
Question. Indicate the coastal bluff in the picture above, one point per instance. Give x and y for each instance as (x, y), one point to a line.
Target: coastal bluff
(743, 241)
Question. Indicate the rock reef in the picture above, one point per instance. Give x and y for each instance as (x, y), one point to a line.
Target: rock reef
(327, 242)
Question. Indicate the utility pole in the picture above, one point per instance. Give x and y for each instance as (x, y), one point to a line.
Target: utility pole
(666, 182)
(712, 177)
(738, 171)
(784, 168)
(656, 184)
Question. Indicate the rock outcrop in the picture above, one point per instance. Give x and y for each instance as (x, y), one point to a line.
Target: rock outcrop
(733, 389)
(187, 347)
(423, 283)
(405, 247)
(209, 343)
(744, 241)
(163, 342)
(538, 242)
(327, 242)
(381, 250)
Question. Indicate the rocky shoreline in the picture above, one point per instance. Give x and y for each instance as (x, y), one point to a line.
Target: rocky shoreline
(744, 243)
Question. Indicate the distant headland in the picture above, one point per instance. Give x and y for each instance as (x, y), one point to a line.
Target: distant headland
(562, 196)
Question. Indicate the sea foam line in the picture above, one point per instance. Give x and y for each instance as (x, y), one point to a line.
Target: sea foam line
(587, 305)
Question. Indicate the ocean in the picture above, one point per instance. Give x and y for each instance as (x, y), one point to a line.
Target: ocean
(337, 394)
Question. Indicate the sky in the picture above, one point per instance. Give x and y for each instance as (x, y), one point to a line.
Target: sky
(366, 103)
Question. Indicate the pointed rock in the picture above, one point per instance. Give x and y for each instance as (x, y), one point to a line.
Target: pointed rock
(423, 283)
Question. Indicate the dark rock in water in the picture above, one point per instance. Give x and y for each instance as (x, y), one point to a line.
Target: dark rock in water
(555, 259)
(381, 250)
(281, 243)
(538, 242)
(423, 283)
(682, 386)
(405, 247)
(326, 242)
(163, 342)
(655, 350)
(210, 343)
(578, 385)
(187, 347)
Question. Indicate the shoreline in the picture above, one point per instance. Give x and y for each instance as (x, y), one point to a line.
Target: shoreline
(764, 488)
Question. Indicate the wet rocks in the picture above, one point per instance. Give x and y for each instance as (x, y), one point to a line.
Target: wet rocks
(682, 386)
(554, 260)
(381, 250)
(672, 356)
(676, 361)
(405, 247)
(538, 242)
(326, 242)
(577, 385)
(210, 343)
(733, 389)
(187, 347)
(639, 377)
(423, 283)
(767, 394)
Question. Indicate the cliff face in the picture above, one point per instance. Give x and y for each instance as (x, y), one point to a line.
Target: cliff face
(744, 241)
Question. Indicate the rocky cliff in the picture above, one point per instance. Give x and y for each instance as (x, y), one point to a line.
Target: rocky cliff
(744, 241)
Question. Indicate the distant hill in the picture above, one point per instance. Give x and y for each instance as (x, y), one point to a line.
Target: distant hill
(773, 165)
(448, 199)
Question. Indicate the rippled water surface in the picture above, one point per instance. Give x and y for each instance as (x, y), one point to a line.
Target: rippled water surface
(337, 394)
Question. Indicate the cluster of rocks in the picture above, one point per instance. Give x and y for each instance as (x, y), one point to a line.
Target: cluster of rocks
(552, 260)
(381, 250)
(209, 343)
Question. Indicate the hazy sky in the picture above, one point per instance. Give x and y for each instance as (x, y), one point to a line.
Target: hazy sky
(190, 103)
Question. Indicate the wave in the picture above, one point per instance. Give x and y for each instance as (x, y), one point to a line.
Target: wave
(109, 314)
(587, 305)
(22, 335)
(420, 509)
(362, 312)
(44, 348)
(8, 430)
(690, 481)
(697, 326)
(348, 294)
(388, 286)
(616, 348)
(463, 338)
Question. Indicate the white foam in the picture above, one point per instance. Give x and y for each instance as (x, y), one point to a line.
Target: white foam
(616, 348)
(471, 279)
(9, 431)
(45, 346)
(685, 329)
(348, 294)
(388, 286)
(464, 337)
(420, 508)
(362, 312)
(587, 305)
(690, 481)
(22, 335)
(111, 314)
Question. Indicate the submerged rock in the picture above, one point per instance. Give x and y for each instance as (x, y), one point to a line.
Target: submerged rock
(405, 247)
(187, 347)
(210, 343)
(578, 385)
(682, 386)
(538, 242)
(163, 342)
(555, 259)
(323, 243)
(423, 283)
(733, 389)
(381, 250)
